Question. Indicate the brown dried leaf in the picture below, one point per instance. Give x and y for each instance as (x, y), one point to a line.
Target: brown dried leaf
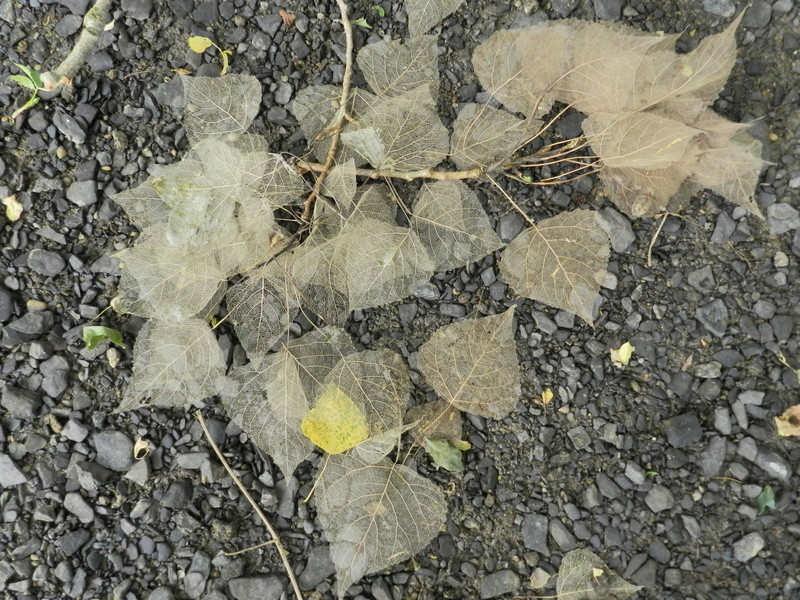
(788, 424)
(483, 136)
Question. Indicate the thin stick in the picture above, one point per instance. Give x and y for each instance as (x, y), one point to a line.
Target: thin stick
(511, 200)
(308, 205)
(306, 167)
(256, 547)
(93, 23)
(653, 240)
(267, 524)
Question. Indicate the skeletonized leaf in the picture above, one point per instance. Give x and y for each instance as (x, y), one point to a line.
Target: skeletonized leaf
(583, 576)
(220, 107)
(560, 261)
(316, 353)
(143, 204)
(437, 419)
(638, 140)
(483, 135)
(280, 185)
(520, 67)
(269, 404)
(423, 15)
(407, 125)
(375, 201)
(641, 192)
(684, 78)
(382, 263)
(176, 363)
(472, 364)
(367, 143)
(376, 447)
(452, 225)
(375, 515)
(164, 281)
(392, 68)
(340, 184)
(261, 307)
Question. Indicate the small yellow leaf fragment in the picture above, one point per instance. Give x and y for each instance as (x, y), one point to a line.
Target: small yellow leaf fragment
(788, 424)
(335, 424)
(622, 355)
(181, 71)
(141, 448)
(597, 572)
(545, 398)
(13, 208)
(199, 43)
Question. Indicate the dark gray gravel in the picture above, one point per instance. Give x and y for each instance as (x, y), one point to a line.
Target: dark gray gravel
(656, 467)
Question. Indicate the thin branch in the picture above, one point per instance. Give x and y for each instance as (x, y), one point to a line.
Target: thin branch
(281, 550)
(311, 167)
(94, 22)
(654, 238)
(308, 205)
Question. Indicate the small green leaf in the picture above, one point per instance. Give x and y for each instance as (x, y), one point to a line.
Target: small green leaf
(362, 22)
(199, 43)
(32, 101)
(32, 74)
(444, 455)
(23, 81)
(93, 335)
(651, 473)
(460, 445)
(766, 499)
(379, 10)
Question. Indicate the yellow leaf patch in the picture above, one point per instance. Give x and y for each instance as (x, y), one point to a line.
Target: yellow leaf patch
(199, 43)
(622, 355)
(788, 424)
(13, 208)
(336, 423)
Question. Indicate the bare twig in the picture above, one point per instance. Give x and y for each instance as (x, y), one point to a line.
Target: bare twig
(306, 167)
(95, 20)
(308, 205)
(281, 550)
(654, 238)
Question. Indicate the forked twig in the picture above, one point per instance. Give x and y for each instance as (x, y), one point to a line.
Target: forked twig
(308, 205)
(281, 550)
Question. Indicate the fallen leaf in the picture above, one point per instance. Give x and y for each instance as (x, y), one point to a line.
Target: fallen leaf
(181, 71)
(287, 18)
(141, 449)
(199, 43)
(788, 424)
(444, 455)
(93, 335)
(622, 355)
(13, 208)
(545, 398)
(335, 424)
(766, 499)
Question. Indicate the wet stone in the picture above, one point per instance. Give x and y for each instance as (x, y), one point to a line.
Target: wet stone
(748, 547)
(499, 583)
(562, 536)
(114, 450)
(683, 430)
(534, 533)
(45, 262)
(178, 494)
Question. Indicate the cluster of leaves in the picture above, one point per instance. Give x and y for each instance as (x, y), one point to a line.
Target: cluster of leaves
(209, 235)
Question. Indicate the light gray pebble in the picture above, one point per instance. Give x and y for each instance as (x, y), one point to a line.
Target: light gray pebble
(618, 228)
(256, 588)
(782, 217)
(10, 475)
(114, 450)
(82, 193)
(534, 533)
(722, 420)
(45, 262)
(20, 404)
(758, 15)
(702, 279)
(714, 316)
(137, 9)
(711, 459)
(708, 370)
(283, 93)
(426, 291)
(747, 448)
(635, 473)
(721, 8)
(748, 547)
(499, 583)
(752, 397)
(74, 431)
(318, 567)
(659, 498)
(773, 464)
(75, 504)
(579, 437)
(161, 593)
(194, 583)
(139, 472)
(56, 376)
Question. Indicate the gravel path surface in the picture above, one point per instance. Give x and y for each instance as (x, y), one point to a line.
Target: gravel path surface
(656, 467)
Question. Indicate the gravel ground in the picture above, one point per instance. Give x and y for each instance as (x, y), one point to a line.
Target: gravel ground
(656, 467)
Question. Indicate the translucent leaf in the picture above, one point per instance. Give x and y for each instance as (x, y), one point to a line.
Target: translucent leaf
(638, 140)
(377, 383)
(335, 423)
(261, 308)
(280, 185)
(392, 68)
(164, 281)
(683, 78)
(452, 225)
(409, 128)
(375, 515)
(423, 15)
(560, 261)
(483, 136)
(472, 364)
(641, 192)
(382, 263)
(437, 419)
(366, 142)
(340, 184)
(374, 201)
(220, 107)
(269, 404)
(143, 204)
(316, 353)
(376, 447)
(175, 363)
(520, 67)
(583, 576)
